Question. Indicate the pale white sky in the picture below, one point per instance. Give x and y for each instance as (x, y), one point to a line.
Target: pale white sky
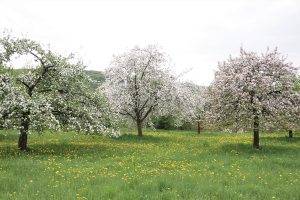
(196, 34)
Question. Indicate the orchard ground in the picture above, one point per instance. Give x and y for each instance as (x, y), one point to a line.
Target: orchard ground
(163, 165)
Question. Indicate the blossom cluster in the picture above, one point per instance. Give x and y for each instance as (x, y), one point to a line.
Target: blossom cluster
(254, 85)
(52, 93)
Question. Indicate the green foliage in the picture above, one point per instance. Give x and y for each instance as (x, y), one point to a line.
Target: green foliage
(168, 122)
(162, 165)
(96, 75)
(188, 126)
(297, 84)
(97, 78)
(164, 122)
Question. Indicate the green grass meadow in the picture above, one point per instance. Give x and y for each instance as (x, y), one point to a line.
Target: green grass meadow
(163, 165)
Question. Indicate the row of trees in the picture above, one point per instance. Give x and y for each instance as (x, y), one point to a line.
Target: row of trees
(249, 92)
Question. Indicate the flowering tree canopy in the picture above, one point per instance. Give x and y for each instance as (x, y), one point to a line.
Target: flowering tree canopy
(138, 84)
(50, 93)
(254, 90)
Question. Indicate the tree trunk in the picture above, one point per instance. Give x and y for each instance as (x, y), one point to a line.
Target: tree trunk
(199, 127)
(22, 144)
(256, 132)
(139, 128)
(290, 133)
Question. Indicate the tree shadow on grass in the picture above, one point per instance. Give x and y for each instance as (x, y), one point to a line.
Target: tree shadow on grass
(103, 149)
(284, 139)
(265, 149)
(67, 150)
(8, 136)
(54, 149)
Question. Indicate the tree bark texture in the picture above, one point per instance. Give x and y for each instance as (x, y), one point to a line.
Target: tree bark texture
(256, 132)
(199, 127)
(139, 128)
(25, 121)
(290, 133)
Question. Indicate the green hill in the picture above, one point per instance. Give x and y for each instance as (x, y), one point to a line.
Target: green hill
(96, 75)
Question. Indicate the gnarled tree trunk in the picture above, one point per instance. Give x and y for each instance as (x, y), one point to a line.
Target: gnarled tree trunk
(25, 121)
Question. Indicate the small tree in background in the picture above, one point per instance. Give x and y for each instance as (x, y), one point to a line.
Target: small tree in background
(253, 90)
(289, 121)
(138, 83)
(50, 93)
(190, 104)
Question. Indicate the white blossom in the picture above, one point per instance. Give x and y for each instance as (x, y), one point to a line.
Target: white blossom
(52, 94)
(253, 91)
(139, 84)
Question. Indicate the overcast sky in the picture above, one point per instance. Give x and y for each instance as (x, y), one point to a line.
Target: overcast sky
(196, 34)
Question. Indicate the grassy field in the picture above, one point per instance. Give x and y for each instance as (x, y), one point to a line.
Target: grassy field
(163, 165)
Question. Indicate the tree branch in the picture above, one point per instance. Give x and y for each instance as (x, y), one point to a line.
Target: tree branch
(127, 113)
(146, 66)
(149, 111)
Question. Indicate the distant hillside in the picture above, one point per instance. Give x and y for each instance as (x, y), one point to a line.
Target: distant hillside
(96, 75)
